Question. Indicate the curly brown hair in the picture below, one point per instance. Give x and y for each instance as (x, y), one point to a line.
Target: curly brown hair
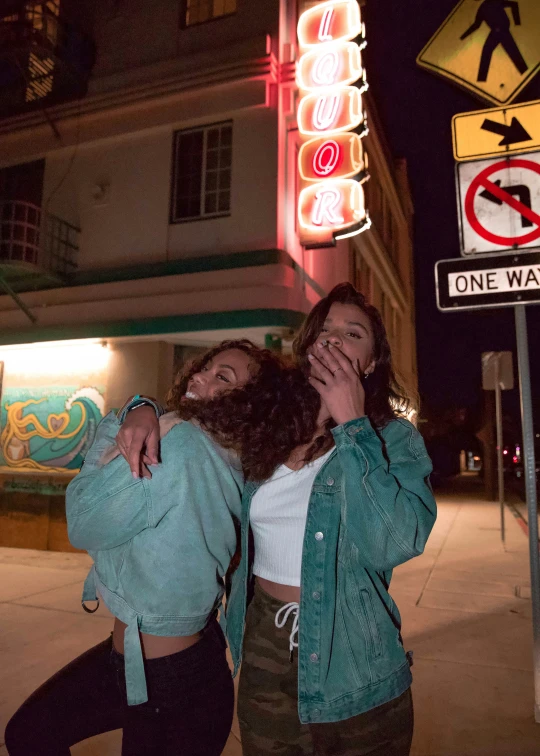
(263, 420)
(385, 398)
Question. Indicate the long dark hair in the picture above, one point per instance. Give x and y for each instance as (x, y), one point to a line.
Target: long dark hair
(263, 420)
(385, 398)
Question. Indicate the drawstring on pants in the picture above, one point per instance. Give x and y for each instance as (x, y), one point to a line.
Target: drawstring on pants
(281, 618)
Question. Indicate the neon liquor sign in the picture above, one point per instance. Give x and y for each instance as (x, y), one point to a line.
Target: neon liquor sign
(331, 162)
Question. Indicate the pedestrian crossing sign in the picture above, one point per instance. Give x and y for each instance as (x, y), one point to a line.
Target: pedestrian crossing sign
(489, 47)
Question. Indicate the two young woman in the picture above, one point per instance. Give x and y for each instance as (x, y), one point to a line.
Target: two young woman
(324, 670)
(161, 548)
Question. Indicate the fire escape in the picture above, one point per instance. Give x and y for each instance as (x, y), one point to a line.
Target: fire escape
(45, 59)
(35, 247)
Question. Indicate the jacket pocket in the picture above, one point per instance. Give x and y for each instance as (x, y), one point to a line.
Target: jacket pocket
(110, 565)
(367, 613)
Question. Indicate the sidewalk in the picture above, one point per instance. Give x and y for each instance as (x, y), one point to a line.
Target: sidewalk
(466, 614)
(466, 611)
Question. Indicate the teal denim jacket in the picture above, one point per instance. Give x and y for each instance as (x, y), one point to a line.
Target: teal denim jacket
(161, 546)
(371, 509)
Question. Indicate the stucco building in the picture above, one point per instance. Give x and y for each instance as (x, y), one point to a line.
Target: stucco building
(148, 206)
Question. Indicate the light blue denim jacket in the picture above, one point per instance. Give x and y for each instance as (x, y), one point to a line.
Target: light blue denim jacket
(371, 509)
(161, 546)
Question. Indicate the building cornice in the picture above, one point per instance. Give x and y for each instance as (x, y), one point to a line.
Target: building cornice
(234, 77)
(264, 279)
(143, 327)
(166, 268)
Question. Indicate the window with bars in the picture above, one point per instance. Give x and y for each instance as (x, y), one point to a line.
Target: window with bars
(199, 11)
(202, 173)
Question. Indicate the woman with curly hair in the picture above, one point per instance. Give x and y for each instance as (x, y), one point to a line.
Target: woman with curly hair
(161, 548)
(310, 616)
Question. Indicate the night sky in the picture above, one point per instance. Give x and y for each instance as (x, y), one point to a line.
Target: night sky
(416, 110)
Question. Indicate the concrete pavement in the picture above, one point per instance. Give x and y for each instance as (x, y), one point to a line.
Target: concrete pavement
(466, 615)
(466, 612)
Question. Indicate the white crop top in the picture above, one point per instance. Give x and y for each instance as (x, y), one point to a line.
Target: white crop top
(278, 521)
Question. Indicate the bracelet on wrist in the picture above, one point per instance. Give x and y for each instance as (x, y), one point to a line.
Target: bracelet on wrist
(139, 401)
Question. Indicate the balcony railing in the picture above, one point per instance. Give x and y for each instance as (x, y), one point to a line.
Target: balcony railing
(35, 243)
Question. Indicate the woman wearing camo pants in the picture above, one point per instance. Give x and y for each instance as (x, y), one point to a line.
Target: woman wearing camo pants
(324, 670)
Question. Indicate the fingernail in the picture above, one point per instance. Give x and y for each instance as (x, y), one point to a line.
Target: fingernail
(330, 346)
(135, 475)
(310, 357)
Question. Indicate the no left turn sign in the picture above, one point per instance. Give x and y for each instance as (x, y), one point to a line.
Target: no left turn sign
(499, 204)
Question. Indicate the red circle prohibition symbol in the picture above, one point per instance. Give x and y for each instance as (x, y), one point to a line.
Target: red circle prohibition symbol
(481, 182)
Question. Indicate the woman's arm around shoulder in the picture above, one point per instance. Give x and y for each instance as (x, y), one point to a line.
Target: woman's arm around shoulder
(389, 508)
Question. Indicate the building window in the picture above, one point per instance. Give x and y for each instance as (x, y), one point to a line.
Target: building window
(202, 173)
(198, 11)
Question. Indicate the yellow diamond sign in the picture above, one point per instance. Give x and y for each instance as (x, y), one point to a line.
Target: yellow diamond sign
(491, 47)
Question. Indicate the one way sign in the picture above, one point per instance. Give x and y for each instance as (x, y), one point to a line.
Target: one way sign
(488, 281)
(499, 204)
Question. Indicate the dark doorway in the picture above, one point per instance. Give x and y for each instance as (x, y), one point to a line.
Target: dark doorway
(23, 183)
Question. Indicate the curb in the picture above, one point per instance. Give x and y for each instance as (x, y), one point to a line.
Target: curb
(520, 519)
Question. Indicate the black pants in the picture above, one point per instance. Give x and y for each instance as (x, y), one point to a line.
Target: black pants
(189, 709)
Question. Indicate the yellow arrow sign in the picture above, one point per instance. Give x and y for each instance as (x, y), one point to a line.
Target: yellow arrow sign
(497, 131)
(487, 46)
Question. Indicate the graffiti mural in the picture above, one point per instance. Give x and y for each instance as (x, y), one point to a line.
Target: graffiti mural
(52, 399)
(48, 430)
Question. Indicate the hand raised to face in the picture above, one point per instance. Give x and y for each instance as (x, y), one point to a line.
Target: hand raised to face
(338, 382)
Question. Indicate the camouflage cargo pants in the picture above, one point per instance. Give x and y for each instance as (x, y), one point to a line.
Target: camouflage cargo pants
(268, 701)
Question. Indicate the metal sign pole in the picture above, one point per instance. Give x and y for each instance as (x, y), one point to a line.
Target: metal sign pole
(498, 412)
(530, 487)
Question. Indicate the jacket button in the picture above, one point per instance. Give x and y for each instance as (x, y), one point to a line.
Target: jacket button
(316, 713)
(314, 657)
(330, 482)
(316, 595)
(319, 536)
(353, 431)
